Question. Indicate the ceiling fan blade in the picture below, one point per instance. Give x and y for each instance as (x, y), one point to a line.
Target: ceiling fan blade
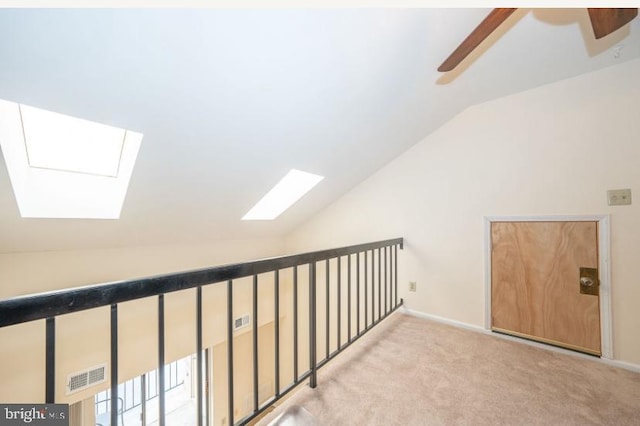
(482, 31)
(605, 21)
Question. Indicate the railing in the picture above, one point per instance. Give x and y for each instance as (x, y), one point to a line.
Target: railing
(362, 262)
(137, 392)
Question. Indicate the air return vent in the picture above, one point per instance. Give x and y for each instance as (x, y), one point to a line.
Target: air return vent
(241, 322)
(87, 378)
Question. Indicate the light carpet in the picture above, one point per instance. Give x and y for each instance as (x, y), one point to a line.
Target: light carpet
(412, 371)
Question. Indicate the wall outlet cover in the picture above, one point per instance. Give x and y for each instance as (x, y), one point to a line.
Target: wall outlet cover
(619, 197)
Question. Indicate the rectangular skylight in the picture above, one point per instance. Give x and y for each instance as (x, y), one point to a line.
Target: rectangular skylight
(65, 167)
(60, 142)
(282, 196)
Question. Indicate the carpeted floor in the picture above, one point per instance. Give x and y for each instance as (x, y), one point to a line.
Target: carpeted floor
(411, 371)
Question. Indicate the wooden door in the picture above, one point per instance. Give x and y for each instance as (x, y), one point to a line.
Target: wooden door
(535, 282)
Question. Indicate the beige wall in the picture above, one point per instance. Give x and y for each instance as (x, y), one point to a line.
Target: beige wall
(553, 150)
(243, 374)
(83, 338)
(31, 272)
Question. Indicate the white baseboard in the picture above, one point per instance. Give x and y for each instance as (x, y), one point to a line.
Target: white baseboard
(444, 320)
(622, 364)
(612, 362)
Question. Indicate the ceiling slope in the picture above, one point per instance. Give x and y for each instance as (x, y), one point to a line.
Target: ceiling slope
(230, 100)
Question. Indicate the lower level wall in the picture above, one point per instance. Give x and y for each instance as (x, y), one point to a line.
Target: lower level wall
(82, 339)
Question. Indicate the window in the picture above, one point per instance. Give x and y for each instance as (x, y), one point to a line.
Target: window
(138, 397)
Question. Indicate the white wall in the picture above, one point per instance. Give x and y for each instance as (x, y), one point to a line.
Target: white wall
(553, 150)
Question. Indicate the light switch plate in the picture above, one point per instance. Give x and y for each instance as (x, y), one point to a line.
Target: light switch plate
(619, 197)
(412, 286)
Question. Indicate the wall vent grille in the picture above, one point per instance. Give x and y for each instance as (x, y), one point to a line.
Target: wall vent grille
(87, 378)
(241, 322)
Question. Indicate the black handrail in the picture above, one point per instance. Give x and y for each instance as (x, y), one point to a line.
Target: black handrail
(51, 304)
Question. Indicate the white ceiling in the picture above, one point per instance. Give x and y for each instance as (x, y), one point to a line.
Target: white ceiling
(230, 100)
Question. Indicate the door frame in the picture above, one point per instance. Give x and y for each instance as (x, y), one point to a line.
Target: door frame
(604, 249)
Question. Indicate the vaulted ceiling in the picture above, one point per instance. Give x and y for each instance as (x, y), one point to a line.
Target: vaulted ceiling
(230, 100)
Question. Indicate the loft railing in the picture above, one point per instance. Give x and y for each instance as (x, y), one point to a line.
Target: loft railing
(362, 263)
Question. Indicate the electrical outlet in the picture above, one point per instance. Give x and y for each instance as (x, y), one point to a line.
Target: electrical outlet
(619, 197)
(412, 285)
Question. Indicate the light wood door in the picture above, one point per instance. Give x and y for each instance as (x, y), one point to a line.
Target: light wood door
(535, 282)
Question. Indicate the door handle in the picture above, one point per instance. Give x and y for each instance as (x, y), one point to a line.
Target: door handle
(589, 281)
(586, 282)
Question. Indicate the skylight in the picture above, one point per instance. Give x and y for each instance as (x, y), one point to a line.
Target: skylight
(59, 142)
(282, 196)
(65, 167)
